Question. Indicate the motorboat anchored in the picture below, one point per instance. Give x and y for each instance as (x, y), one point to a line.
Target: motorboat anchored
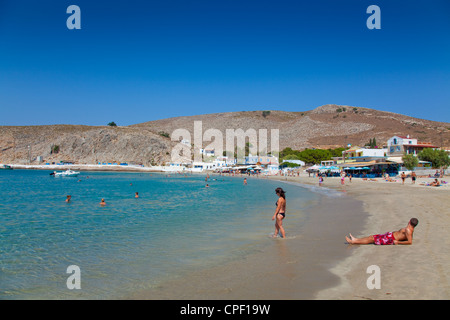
(67, 173)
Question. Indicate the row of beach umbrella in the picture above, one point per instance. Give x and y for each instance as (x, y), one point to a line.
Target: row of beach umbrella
(334, 168)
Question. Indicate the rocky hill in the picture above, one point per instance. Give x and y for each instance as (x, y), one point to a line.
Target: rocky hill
(148, 143)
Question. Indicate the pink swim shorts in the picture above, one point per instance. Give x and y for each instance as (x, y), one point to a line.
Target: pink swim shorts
(384, 239)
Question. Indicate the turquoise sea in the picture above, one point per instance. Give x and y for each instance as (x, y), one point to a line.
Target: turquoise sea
(177, 225)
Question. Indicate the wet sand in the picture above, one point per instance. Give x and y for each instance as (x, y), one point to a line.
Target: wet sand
(284, 269)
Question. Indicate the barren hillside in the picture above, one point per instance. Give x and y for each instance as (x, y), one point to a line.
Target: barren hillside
(146, 143)
(323, 127)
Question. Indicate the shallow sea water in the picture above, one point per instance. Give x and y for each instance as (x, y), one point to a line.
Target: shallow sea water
(177, 225)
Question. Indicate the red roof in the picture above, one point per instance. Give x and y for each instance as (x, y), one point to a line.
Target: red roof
(424, 145)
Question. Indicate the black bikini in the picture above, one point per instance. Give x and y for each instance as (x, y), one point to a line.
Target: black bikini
(282, 213)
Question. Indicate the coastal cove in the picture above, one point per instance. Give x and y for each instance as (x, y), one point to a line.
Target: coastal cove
(233, 258)
(143, 245)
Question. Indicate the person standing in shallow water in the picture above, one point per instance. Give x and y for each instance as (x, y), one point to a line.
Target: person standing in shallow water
(280, 213)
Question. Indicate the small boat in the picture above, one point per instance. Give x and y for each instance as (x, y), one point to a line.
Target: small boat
(67, 173)
(5, 167)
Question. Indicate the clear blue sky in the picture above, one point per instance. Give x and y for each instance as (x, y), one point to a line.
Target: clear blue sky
(136, 61)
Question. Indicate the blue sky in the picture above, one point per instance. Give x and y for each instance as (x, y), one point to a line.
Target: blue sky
(136, 61)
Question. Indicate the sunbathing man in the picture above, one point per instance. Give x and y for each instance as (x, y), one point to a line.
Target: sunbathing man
(435, 183)
(402, 236)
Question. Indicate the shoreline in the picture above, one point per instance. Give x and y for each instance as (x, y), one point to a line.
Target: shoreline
(282, 269)
(88, 167)
(416, 271)
(407, 272)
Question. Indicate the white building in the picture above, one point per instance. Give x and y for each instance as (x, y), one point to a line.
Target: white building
(400, 145)
(207, 152)
(358, 152)
(263, 160)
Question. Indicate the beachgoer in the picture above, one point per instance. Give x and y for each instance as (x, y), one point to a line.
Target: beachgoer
(103, 203)
(320, 181)
(136, 195)
(403, 176)
(413, 177)
(69, 197)
(280, 212)
(245, 181)
(207, 186)
(435, 183)
(402, 236)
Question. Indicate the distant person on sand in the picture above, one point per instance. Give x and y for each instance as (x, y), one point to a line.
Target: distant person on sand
(413, 177)
(103, 203)
(403, 176)
(280, 213)
(402, 236)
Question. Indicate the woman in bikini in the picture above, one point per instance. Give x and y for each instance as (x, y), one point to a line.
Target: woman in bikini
(280, 213)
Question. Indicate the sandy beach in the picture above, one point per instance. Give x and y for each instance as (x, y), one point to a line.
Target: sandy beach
(306, 268)
(417, 271)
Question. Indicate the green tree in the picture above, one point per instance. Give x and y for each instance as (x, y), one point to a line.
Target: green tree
(439, 158)
(372, 143)
(54, 149)
(410, 161)
(310, 155)
(265, 113)
(291, 157)
(112, 124)
(164, 134)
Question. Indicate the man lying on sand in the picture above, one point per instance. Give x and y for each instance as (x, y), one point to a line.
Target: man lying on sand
(402, 236)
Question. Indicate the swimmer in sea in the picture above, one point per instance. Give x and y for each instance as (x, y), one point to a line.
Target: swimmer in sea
(136, 195)
(103, 203)
(69, 197)
(280, 212)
